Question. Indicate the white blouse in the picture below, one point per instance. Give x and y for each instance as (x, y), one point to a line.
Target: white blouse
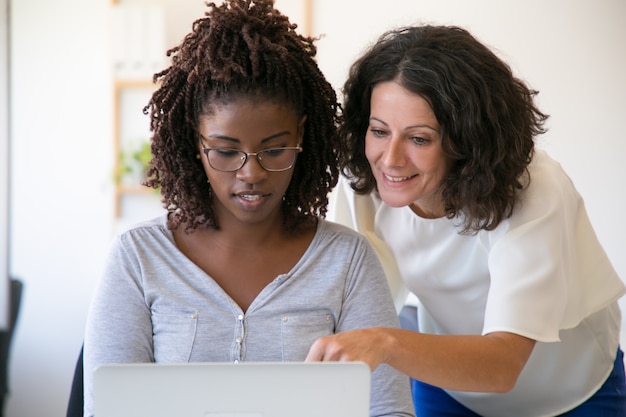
(541, 274)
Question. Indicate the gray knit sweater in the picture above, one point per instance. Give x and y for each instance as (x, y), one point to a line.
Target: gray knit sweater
(154, 305)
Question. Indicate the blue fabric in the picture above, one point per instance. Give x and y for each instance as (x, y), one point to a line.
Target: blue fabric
(431, 401)
(608, 401)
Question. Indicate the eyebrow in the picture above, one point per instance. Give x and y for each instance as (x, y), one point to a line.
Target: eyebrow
(235, 140)
(408, 127)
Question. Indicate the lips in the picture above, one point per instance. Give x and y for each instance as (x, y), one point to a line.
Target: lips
(398, 179)
(251, 196)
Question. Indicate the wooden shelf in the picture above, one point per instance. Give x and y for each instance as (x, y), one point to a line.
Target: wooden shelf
(123, 118)
(134, 189)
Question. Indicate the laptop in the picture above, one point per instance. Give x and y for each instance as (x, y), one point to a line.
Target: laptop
(246, 389)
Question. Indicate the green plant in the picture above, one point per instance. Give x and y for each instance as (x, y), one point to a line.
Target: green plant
(133, 164)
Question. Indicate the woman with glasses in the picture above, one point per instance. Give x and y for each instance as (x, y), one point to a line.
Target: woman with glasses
(242, 267)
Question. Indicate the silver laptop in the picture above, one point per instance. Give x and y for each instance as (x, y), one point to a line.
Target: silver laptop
(247, 389)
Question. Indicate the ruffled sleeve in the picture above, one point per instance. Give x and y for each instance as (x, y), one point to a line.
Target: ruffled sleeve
(548, 269)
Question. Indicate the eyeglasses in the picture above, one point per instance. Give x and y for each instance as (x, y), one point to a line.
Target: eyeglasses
(273, 159)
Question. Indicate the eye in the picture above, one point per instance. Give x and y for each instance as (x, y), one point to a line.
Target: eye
(273, 152)
(379, 133)
(226, 153)
(420, 140)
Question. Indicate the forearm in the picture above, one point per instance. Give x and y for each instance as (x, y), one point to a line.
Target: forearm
(490, 363)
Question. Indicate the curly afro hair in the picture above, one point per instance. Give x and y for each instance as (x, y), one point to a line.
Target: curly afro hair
(241, 48)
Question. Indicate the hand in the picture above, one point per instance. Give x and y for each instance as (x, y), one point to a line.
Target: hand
(363, 345)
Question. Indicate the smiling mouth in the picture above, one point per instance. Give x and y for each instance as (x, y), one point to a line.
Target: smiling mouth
(398, 179)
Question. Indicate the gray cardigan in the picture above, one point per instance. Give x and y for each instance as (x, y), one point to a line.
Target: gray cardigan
(154, 305)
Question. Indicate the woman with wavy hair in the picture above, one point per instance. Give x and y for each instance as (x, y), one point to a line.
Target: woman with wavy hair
(516, 299)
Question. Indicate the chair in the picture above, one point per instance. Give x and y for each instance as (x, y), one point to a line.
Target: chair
(76, 401)
(15, 299)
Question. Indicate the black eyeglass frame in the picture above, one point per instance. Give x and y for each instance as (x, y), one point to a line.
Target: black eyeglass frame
(245, 156)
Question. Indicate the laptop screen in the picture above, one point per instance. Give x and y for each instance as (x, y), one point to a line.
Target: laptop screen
(247, 389)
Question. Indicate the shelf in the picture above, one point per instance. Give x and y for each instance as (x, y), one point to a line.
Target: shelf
(135, 189)
(131, 132)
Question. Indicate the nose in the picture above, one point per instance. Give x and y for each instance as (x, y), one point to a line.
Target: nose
(251, 172)
(393, 154)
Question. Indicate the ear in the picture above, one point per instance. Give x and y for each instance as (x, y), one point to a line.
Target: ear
(301, 129)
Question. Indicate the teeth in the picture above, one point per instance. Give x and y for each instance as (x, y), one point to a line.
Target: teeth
(250, 197)
(396, 179)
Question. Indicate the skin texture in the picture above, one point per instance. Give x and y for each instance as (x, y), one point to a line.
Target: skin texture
(403, 147)
(250, 194)
(248, 202)
(489, 363)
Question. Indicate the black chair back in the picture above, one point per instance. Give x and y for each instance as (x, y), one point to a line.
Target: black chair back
(15, 300)
(75, 404)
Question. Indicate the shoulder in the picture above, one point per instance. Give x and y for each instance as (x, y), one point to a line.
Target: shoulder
(550, 199)
(154, 228)
(328, 228)
(550, 187)
(546, 172)
(337, 240)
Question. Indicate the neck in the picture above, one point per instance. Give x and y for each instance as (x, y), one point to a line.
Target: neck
(428, 208)
(253, 236)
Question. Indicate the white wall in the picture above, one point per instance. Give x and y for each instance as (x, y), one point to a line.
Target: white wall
(573, 51)
(4, 162)
(61, 201)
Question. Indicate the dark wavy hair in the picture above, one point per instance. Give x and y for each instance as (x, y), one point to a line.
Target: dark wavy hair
(487, 116)
(240, 49)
